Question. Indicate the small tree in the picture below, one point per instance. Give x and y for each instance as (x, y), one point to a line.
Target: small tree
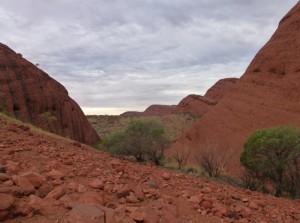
(145, 140)
(182, 156)
(213, 160)
(157, 144)
(273, 155)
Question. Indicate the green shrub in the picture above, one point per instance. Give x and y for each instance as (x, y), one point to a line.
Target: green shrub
(114, 144)
(48, 117)
(145, 140)
(273, 156)
(3, 107)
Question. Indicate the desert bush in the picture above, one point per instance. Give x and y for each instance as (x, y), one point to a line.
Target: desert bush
(214, 161)
(145, 140)
(273, 155)
(170, 163)
(114, 143)
(292, 178)
(181, 156)
(3, 107)
(250, 180)
(157, 144)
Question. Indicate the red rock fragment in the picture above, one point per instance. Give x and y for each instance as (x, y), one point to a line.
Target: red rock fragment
(206, 190)
(137, 216)
(166, 176)
(85, 213)
(57, 193)
(96, 184)
(91, 198)
(3, 177)
(24, 184)
(123, 192)
(13, 167)
(35, 179)
(55, 174)
(6, 201)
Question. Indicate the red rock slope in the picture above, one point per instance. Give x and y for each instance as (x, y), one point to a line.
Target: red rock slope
(219, 89)
(50, 180)
(31, 95)
(266, 95)
(195, 105)
(199, 105)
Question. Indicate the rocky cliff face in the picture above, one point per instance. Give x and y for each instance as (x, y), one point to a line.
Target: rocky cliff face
(31, 95)
(266, 95)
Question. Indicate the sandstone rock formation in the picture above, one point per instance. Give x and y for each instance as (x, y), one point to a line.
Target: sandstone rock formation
(219, 89)
(199, 105)
(31, 95)
(195, 105)
(52, 180)
(266, 95)
(152, 110)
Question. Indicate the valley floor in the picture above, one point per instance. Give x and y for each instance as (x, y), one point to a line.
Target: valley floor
(48, 179)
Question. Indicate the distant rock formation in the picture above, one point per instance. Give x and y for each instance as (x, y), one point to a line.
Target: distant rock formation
(199, 105)
(219, 89)
(266, 95)
(152, 110)
(195, 105)
(31, 95)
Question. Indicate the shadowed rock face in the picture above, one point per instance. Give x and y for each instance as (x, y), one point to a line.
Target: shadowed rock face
(266, 95)
(31, 95)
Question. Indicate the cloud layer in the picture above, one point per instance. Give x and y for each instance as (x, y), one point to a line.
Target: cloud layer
(116, 55)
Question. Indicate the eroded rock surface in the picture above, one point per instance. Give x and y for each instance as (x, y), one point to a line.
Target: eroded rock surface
(31, 95)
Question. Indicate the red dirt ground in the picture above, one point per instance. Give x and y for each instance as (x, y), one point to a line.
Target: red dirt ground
(47, 179)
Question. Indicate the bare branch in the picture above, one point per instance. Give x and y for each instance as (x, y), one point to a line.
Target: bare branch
(181, 156)
(214, 160)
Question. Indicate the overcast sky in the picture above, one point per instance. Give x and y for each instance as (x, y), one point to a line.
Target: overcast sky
(119, 55)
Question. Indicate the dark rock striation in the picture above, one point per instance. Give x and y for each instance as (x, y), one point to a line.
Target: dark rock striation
(33, 96)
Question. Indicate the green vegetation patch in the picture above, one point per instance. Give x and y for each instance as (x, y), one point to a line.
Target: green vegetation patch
(272, 157)
(48, 117)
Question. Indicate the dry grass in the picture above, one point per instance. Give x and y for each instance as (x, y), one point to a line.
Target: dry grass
(32, 127)
(173, 124)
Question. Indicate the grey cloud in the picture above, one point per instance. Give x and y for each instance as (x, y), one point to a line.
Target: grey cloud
(116, 53)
